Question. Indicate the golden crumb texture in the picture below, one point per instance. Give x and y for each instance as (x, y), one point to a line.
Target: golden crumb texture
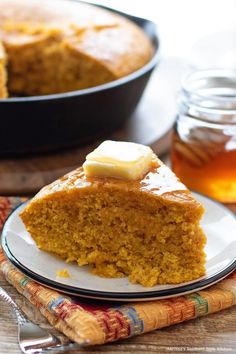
(63, 273)
(63, 45)
(147, 230)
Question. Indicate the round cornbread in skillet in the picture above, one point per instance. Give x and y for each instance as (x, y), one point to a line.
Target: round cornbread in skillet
(59, 45)
(3, 73)
(147, 229)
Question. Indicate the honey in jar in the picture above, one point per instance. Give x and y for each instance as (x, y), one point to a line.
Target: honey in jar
(203, 151)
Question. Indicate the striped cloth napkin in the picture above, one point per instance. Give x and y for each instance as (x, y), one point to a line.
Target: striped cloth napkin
(86, 321)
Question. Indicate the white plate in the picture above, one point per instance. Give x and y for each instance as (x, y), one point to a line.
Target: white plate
(219, 225)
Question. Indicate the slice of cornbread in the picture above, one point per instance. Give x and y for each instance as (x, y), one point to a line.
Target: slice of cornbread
(3, 73)
(146, 229)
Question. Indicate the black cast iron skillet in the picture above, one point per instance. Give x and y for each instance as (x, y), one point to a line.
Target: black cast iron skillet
(43, 123)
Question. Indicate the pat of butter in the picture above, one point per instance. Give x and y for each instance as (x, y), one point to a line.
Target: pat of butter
(118, 159)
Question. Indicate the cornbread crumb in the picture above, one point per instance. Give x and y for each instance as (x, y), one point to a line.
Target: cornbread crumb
(147, 230)
(63, 273)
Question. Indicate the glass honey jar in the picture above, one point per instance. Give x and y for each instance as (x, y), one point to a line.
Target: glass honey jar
(203, 153)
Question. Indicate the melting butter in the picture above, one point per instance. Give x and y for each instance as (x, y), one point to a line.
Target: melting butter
(118, 159)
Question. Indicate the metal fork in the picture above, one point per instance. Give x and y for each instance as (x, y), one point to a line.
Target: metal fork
(33, 339)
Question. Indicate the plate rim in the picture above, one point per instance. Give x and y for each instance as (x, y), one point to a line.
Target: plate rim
(107, 295)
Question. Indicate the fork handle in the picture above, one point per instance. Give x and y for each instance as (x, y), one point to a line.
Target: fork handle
(7, 298)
